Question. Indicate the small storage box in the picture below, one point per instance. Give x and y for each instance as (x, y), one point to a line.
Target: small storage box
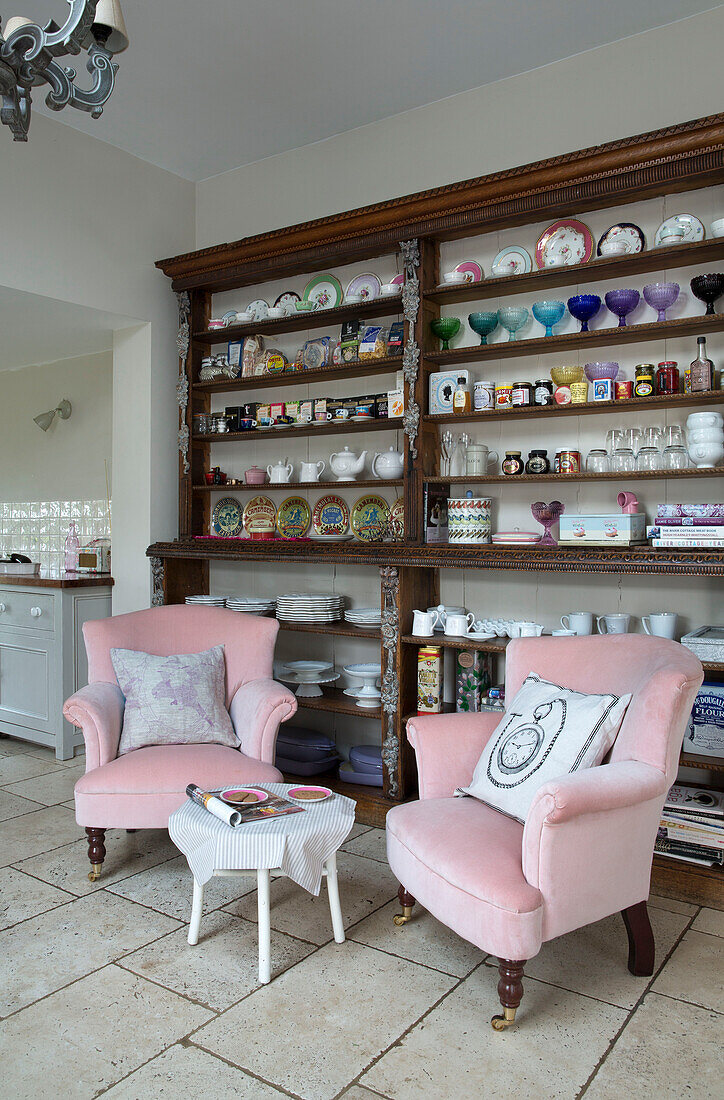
(616, 529)
(705, 735)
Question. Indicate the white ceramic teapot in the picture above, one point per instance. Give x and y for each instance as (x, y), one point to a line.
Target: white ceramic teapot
(280, 473)
(345, 464)
(388, 464)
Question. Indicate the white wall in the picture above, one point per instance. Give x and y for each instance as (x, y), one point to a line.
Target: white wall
(84, 222)
(650, 80)
(67, 461)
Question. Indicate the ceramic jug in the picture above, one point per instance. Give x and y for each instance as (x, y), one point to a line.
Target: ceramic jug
(311, 471)
(280, 473)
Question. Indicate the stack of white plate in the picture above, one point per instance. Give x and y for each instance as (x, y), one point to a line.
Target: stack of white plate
(366, 617)
(309, 607)
(516, 538)
(207, 601)
(253, 605)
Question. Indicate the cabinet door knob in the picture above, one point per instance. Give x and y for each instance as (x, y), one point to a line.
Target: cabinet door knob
(36, 612)
(2, 608)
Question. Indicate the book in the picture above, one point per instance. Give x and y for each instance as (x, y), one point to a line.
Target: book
(698, 851)
(436, 524)
(674, 530)
(689, 834)
(687, 859)
(688, 544)
(703, 801)
(688, 521)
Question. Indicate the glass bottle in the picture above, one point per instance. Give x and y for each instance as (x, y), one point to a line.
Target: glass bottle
(72, 546)
(702, 369)
(462, 401)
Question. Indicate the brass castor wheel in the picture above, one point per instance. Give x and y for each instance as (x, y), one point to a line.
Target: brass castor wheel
(95, 873)
(404, 916)
(501, 1022)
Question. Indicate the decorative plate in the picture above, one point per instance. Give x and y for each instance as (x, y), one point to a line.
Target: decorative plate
(331, 538)
(243, 795)
(397, 519)
(370, 515)
(567, 238)
(473, 271)
(330, 516)
(693, 229)
(516, 255)
(259, 309)
(287, 301)
(310, 794)
(226, 518)
(398, 280)
(368, 285)
(293, 517)
(324, 290)
(259, 514)
(627, 233)
(229, 318)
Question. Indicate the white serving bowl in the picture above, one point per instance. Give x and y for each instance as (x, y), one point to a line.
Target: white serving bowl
(717, 227)
(454, 277)
(614, 248)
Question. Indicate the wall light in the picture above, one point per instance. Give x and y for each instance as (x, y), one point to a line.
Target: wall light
(63, 410)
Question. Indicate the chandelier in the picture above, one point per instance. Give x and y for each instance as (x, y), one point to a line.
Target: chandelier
(28, 55)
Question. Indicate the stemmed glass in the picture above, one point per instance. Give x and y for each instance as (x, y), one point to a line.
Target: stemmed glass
(548, 314)
(707, 289)
(621, 303)
(483, 324)
(445, 328)
(512, 318)
(583, 307)
(660, 296)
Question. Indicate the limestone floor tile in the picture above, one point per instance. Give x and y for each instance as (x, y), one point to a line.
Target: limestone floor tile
(22, 766)
(223, 966)
(337, 1010)
(550, 1053)
(22, 896)
(359, 1093)
(364, 885)
(84, 1038)
(11, 805)
(169, 888)
(711, 921)
(669, 1049)
(186, 1073)
(51, 788)
(126, 854)
(423, 940)
(11, 746)
(40, 831)
(672, 904)
(357, 830)
(695, 972)
(40, 955)
(372, 844)
(593, 960)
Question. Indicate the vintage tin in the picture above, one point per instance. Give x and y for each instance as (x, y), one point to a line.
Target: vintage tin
(602, 389)
(468, 520)
(623, 389)
(483, 396)
(503, 397)
(579, 393)
(429, 679)
(472, 679)
(569, 462)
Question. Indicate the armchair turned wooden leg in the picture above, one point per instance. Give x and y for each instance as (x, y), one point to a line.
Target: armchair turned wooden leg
(96, 852)
(510, 991)
(641, 947)
(406, 901)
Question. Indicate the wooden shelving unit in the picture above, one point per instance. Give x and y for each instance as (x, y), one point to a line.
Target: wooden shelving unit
(685, 157)
(527, 479)
(292, 486)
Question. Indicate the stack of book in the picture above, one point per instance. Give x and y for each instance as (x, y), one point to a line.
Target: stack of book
(688, 525)
(692, 825)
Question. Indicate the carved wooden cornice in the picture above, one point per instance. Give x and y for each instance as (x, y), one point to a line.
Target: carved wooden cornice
(679, 157)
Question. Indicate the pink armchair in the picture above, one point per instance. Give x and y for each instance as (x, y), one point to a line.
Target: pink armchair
(140, 789)
(586, 849)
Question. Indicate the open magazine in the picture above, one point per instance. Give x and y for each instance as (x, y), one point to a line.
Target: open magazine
(274, 805)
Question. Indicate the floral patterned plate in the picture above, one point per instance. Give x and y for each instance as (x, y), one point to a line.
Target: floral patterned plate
(370, 516)
(293, 517)
(473, 271)
(567, 240)
(398, 280)
(368, 285)
(259, 309)
(287, 301)
(324, 290)
(627, 233)
(512, 260)
(226, 518)
(259, 514)
(693, 229)
(397, 519)
(330, 516)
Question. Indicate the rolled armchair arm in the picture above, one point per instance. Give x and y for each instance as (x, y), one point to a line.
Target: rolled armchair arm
(98, 710)
(257, 709)
(447, 747)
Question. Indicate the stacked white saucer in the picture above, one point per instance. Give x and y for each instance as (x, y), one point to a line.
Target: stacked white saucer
(207, 601)
(309, 607)
(366, 617)
(253, 605)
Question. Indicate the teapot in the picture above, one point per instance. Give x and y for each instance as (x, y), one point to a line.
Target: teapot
(345, 465)
(280, 473)
(388, 464)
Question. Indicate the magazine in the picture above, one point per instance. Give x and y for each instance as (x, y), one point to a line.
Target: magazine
(241, 813)
(695, 801)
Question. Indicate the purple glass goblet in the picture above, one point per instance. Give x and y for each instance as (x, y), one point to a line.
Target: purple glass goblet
(583, 307)
(660, 296)
(621, 303)
(547, 515)
(707, 289)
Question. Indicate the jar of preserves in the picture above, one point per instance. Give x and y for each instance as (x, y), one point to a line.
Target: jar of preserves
(513, 463)
(644, 384)
(522, 394)
(503, 397)
(537, 463)
(569, 462)
(543, 392)
(667, 377)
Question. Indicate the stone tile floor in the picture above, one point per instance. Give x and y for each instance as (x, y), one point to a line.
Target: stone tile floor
(101, 995)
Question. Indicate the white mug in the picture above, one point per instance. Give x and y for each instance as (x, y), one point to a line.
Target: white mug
(613, 624)
(660, 623)
(529, 630)
(311, 471)
(458, 625)
(424, 622)
(580, 622)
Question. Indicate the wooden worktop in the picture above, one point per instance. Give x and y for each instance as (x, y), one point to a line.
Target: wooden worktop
(60, 580)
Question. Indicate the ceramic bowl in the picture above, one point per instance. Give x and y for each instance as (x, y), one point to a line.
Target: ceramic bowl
(596, 371)
(614, 248)
(244, 317)
(717, 227)
(454, 277)
(306, 307)
(275, 313)
(565, 376)
(555, 260)
(708, 419)
(505, 267)
(388, 290)
(353, 298)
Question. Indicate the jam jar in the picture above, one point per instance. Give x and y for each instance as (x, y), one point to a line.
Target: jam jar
(512, 463)
(537, 462)
(644, 384)
(667, 377)
(522, 394)
(543, 392)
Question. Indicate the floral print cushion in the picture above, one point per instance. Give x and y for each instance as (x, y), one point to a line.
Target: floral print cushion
(176, 700)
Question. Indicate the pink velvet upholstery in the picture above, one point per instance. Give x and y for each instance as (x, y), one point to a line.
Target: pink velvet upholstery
(140, 790)
(587, 845)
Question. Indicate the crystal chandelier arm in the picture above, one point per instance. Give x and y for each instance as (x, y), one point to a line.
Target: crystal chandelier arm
(63, 90)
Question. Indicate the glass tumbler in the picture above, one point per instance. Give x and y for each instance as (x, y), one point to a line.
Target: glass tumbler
(623, 461)
(614, 439)
(651, 437)
(632, 438)
(675, 458)
(673, 436)
(648, 458)
(597, 462)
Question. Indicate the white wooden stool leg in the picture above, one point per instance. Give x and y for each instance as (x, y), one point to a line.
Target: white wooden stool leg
(334, 906)
(264, 916)
(196, 911)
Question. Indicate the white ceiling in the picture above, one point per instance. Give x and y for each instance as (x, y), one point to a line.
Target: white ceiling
(206, 86)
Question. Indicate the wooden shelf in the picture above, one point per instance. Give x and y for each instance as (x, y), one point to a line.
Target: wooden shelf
(637, 475)
(572, 341)
(713, 666)
(361, 369)
(653, 259)
(335, 701)
(690, 882)
(633, 404)
(493, 645)
(290, 486)
(334, 630)
(707, 763)
(333, 427)
(314, 319)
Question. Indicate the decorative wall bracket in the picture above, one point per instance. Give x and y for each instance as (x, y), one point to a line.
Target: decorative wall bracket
(182, 385)
(390, 684)
(410, 251)
(156, 582)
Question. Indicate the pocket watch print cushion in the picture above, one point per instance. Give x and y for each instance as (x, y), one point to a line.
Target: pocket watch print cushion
(547, 732)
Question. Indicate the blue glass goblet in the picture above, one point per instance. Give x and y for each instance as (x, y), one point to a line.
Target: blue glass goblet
(483, 324)
(583, 307)
(512, 318)
(548, 314)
